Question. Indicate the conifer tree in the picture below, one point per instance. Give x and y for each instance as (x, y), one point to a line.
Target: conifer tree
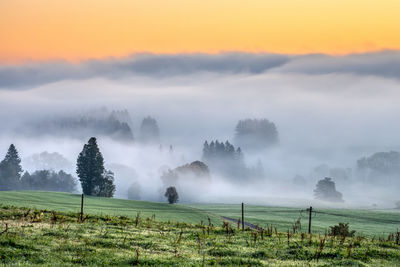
(224, 158)
(10, 170)
(94, 178)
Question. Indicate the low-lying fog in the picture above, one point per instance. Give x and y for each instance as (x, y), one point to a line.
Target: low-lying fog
(329, 113)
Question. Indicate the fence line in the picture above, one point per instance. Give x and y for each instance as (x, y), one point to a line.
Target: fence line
(315, 212)
(311, 212)
(360, 217)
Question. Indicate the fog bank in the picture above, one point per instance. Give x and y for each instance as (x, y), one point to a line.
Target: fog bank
(328, 110)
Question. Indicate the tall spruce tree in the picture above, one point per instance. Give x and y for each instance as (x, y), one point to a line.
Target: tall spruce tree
(10, 170)
(94, 178)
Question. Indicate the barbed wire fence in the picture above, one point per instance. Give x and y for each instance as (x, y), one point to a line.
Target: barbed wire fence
(312, 214)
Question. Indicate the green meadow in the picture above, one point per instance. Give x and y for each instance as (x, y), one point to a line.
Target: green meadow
(365, 222)
(44, 229)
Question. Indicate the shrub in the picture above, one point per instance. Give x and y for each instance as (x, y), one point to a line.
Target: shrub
(172, 195)
(342, 229)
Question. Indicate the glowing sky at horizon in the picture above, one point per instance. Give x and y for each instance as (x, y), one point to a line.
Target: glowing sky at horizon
(76, 30)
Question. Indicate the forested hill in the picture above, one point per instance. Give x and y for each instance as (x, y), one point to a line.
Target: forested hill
(114, 124)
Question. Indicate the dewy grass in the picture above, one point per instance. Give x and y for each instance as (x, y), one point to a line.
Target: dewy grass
(265, 217)
(45, 237)
(66, 202)
(365, 222)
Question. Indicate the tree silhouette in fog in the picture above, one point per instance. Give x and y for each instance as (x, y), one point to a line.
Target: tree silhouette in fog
(149, 131)
(255, 134)
(196, 170)
(225, 159)
(326, 190)
(82, 126)
(381, 167)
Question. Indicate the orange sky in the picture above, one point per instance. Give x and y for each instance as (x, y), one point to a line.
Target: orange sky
(76, 30)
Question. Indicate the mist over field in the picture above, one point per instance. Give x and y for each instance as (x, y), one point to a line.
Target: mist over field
(329, 112)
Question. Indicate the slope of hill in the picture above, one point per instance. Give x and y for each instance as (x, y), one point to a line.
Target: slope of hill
(365, 222)
(66, 202)
(378, 223)
(31, 237)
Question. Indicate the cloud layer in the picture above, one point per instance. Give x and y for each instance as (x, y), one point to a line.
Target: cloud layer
(382, 64)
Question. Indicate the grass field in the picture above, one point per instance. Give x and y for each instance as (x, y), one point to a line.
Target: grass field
(105, 206)
(30, 237)
(43, 228)
(365, 222)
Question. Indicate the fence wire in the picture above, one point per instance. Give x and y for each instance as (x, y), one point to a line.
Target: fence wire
(388, 221)
(304, 212)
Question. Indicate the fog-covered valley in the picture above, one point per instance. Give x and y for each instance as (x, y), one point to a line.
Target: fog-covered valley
(312, 117)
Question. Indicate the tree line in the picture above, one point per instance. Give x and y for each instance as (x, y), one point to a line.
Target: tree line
(94, 178)
(12, 176)
(255, 134)
(225, 159)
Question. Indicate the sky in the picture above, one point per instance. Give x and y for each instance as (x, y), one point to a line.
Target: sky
(75, 30)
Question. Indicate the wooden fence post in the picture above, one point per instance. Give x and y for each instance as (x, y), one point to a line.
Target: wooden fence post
(82, 208)
(242, 216)
(309, 220)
